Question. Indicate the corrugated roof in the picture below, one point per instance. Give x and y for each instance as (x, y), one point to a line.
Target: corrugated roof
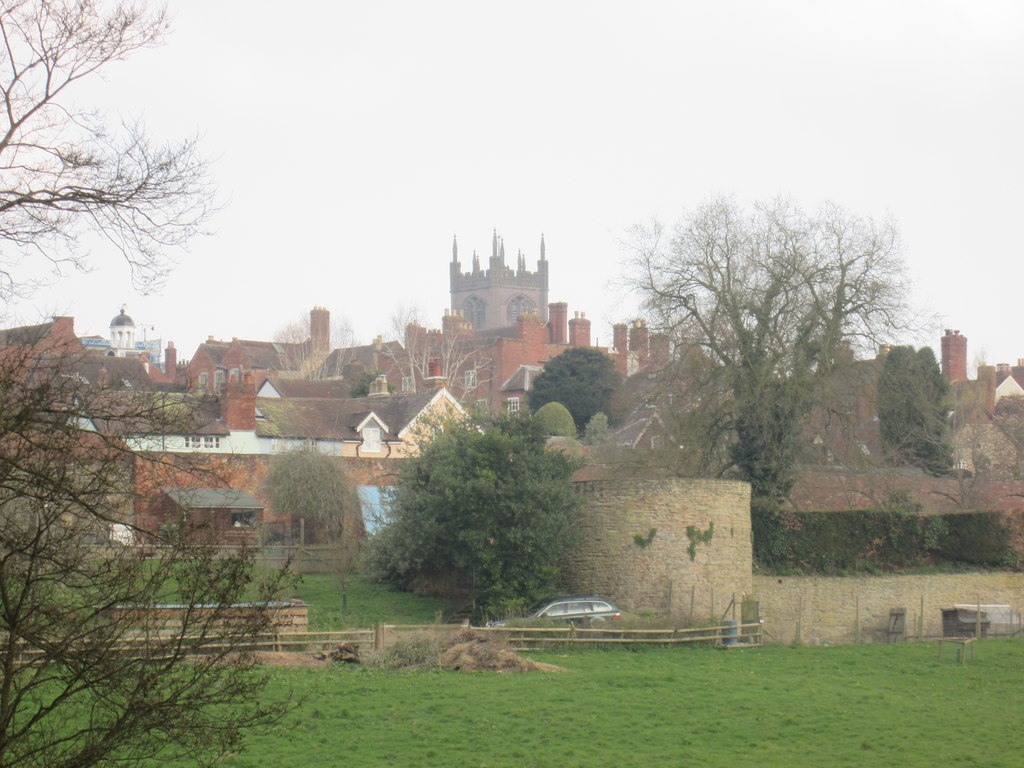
(212, 498)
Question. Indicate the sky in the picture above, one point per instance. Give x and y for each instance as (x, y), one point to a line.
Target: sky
(350, 141)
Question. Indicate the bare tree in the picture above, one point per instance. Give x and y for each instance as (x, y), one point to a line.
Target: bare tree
(309, 360)
(63, 172)
(770, 302)
(93, 672)
(458, 355)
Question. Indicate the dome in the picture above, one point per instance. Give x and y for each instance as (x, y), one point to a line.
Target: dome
(122, 320)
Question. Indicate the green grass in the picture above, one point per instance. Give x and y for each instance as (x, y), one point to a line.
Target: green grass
(366, 603)
(788, 707)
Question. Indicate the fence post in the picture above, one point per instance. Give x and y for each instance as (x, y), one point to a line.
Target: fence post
(378, 636)
(799, 617)
(298, 546)
(977, 619)
(857, 615)
(920, 621)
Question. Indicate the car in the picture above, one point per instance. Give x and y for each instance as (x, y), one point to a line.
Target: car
(575, 609)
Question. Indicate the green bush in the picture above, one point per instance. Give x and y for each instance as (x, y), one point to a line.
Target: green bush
(876, 541)
(555, 419)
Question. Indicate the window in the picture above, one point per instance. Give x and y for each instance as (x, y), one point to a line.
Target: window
(475, 311)
(202, 441)
(218, 381)
(520, 305)
(244, 519)
(407, 383)
(470, 379)
(203, 380)
(371, 440)
(235, 375)
(512, 404)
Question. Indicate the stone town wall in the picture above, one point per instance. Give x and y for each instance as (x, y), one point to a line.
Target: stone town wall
(697, 558)
(826, 608)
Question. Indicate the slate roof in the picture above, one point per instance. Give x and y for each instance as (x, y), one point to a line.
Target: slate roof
(212, 498)
(308, 388)
(273, 355)
(337, 419)
(25, 335)
(522, 378)
(214, 349)
(133, 413)
(367, 357)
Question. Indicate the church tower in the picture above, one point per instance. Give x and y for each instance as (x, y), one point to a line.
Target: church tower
(495, 297)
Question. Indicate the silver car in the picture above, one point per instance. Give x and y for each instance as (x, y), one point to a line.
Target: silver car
(575, 609)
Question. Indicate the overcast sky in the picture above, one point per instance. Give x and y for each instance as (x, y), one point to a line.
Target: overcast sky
(351, 140)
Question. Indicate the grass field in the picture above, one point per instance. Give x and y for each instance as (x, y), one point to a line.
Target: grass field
(777, 706)
(366, 604)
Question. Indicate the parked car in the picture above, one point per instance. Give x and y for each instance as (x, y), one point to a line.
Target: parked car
(575, 609)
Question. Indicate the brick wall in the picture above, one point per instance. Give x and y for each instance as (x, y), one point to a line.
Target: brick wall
(827, 607)
(661, 576)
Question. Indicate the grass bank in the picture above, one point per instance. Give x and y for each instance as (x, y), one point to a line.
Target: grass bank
(778, 706)
(364, 604)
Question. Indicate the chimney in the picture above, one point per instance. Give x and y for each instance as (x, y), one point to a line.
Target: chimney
(987, 386)
(954, 356)
(170, 360)
(558, 316)
(104, 377)
(620, 334)
(144, 359)
(659, 351)
(451, 324)
(320, 330)
(378, 343)
(531, 329)
(379, 386)
(238, 403)
(638, 344)
(434, 378)
(579, 330)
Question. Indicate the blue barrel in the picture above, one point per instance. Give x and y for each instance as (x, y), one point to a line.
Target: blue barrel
(732, 632)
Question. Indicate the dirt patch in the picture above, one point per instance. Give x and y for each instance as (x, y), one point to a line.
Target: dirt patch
(472, 652)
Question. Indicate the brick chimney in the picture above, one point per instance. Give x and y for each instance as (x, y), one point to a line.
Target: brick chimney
(170, 360)
(238, 403)
(659, 351)
(954, 356)
(620, 336)
(638, 344)
(434, 378)
(987, 385)
(558, 316)
(320, 330)
(579, 330)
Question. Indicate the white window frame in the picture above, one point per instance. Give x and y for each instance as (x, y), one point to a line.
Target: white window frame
(407, 383)
(371, 440)
(470, 379)
(211, 442)
(512, 404)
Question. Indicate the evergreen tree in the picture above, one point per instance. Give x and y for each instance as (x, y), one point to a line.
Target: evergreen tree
(912, 410)
(486, 508)
(581, 379)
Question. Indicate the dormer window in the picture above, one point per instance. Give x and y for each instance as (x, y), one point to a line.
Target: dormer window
(371, 439)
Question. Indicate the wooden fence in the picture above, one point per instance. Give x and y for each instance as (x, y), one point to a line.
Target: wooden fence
(728, 635)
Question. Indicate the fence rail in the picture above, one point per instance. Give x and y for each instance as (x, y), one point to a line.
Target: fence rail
(531, 638)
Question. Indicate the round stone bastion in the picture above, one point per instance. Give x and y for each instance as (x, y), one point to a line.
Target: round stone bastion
(672, 547)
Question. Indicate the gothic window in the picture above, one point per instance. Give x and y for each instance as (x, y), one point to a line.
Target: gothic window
(520, 305)
(474, 310)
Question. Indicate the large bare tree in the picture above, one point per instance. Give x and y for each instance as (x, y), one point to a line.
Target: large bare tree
(63, 171)
(763, 305)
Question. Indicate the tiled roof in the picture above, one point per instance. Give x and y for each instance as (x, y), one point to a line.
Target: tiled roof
(214, 349)
(25, 335)
(336, 419)
(309, 388)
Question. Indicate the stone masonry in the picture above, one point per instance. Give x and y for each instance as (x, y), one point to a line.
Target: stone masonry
(679, 547)
(826, 608)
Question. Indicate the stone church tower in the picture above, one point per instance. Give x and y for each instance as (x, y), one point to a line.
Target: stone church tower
(497, 296)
